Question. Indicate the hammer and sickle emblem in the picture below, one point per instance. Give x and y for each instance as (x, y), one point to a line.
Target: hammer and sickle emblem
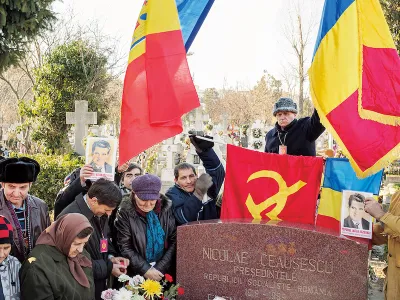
(279, 198)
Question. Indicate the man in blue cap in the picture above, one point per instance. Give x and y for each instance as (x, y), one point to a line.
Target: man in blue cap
(290, 135)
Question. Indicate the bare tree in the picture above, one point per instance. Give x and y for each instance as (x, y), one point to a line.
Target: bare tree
(18, 82)
(113, 96)
(298, 33)
(243, 105)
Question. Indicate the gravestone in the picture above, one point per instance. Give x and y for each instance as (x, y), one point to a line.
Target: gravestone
(3, 131)
(81, 118)
(198, 120)
(167, 174)
(238, 260)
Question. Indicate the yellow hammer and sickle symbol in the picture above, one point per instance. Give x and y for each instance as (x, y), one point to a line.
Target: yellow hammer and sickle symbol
(279, 198)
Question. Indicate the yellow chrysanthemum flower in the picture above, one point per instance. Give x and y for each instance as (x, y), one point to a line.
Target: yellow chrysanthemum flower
(151, 288)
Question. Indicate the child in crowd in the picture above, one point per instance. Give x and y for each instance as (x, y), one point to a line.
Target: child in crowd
(9, 265)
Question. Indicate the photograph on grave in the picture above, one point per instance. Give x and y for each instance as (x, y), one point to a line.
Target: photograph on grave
(101, 155)
(354, 220)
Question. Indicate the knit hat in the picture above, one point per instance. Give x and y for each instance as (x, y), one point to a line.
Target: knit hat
(285, 104)
(147, 187)
(6, 231)
(19, 170)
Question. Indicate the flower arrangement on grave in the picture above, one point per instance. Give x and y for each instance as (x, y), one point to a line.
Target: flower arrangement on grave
(257, 133)
(138, 288)
(209, 127)
(257, 144)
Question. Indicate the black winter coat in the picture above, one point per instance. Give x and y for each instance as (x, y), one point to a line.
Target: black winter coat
(46, 276)
(299, 136)
(131, 237)
(186, 206)
(68, 194)
(102, 266)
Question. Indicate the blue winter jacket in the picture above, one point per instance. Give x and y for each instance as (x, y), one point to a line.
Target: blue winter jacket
(186, 206)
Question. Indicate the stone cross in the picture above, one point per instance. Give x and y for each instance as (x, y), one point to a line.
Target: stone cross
(81, 118)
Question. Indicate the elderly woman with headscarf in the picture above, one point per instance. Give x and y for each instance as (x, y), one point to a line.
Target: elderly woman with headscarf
(146, 229)
(59, 267)
(388, 232)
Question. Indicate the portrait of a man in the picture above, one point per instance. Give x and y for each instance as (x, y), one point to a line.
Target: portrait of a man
(355, 219)
(100, 155)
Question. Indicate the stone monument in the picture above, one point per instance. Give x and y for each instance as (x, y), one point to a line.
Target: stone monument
(238, 260)
(81, 118)
(4, 132)
(198, 120)
(167, 174)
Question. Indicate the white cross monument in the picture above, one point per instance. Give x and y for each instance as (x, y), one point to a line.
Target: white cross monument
(81, 118)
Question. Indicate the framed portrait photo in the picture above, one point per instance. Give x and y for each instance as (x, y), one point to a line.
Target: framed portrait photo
(101, 154)
(355, 221)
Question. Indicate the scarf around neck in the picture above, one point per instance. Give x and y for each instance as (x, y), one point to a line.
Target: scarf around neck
(19, 239)
(155, 234)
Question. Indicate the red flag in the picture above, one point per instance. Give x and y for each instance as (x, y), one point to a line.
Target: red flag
(271, 186)
(158, 87)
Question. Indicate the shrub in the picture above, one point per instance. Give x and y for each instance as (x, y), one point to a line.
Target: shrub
(53, 170)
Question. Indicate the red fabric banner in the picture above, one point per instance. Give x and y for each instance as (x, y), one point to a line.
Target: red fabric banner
(270, 186)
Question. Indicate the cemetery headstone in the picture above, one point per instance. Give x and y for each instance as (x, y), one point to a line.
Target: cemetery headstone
(3, 131)
(81, 118)
(239, 260)
(167, 174)
(199, 119)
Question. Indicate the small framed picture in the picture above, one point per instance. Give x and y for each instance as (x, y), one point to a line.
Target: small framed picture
(101, 154)
(355, 221)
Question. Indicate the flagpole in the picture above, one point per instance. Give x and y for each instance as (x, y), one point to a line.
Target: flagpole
(209, 140)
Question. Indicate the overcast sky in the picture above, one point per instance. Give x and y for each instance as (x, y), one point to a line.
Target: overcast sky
(237, 42)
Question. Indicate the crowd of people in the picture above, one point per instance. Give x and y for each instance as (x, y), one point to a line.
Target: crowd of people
(104, 229)
(101, 229)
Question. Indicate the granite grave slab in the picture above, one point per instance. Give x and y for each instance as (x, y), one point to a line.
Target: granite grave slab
(243, 260)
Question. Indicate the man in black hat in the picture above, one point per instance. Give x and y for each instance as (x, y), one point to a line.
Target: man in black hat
(29, 215)
(292, 136)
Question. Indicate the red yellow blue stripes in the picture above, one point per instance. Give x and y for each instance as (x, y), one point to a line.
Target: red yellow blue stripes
(380, 80)
(158, 87)
(352, 86)
(339, 176)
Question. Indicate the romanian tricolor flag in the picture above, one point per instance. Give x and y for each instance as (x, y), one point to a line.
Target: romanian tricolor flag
(158, 87)
(339, 176)
(265, 186)
(355, 83)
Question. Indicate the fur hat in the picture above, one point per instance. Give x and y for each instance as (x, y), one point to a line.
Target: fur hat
(6, 231)
(285, 104)
(147, 187)
(19, 170)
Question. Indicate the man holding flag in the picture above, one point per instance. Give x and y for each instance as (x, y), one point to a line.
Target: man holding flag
(194, 198)
(292, 136)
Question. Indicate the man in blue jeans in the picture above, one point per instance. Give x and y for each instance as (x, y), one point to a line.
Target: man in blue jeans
(194, 198)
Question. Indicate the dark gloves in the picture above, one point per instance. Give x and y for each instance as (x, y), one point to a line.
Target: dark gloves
(201, 145)
(203, 183)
